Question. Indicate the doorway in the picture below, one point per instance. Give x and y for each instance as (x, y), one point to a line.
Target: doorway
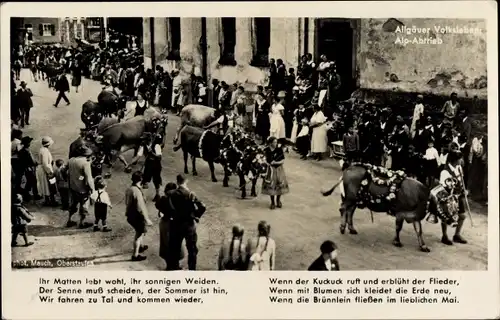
(336, 39)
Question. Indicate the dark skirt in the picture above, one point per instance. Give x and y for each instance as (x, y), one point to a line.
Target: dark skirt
(76, 81)
(430, 168)
(275, 182)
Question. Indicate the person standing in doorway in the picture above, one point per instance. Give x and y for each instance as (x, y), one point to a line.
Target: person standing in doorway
(62, 86)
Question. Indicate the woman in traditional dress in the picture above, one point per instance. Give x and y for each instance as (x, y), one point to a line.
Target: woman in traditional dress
(45, 173)
(262, 249)
(319, 139)
(141, 105)
(275, 183)
(261, 117)
(76, 69)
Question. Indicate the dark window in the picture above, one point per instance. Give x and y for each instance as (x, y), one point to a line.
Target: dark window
(53, 29)
(40, 29)
(228, 41)
(174, 28)
(262, 43)
(28, 26)
(30, 36)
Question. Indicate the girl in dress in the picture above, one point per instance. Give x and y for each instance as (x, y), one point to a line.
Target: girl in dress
(262, 249)
(233, 253)
(450, 109)
(275, 183)
(45, 173)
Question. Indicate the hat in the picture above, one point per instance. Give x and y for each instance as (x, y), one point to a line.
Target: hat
(22, 84)
(328, 247)
(420, 96)
(47, 141)
(295, 88)
(17, 199)
(26, 140)
(281, 94)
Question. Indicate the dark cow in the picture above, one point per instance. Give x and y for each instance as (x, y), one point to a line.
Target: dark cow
(199, 143)
(108, 105)
(410, 203)
(251, 166)
(128, 135)
(197, 116)
(112, 104)
(52, 70)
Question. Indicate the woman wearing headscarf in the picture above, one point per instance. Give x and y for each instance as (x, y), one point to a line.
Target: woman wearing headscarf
(233, 253)
(319, 139)
(45, 173)
(262, 249)
(275, 183)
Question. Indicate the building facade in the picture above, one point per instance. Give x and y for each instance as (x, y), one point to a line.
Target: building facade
(35, 30)
(367, 52)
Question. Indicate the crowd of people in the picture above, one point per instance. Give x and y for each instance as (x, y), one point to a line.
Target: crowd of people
(298, 107)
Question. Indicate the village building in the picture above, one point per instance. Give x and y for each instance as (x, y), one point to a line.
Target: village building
(370, 54)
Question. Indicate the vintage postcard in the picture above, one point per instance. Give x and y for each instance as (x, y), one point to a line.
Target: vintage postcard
(154, 145)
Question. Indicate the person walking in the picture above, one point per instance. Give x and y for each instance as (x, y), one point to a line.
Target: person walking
(137, 215)
(188, 210)
(152, 165)
(262, 249)
(23, 99)
(275, 183)
(62, 86)
(20, 217)
(81, 185)
(233, 254)
(327, 261)
(45, 173)
(76, 71)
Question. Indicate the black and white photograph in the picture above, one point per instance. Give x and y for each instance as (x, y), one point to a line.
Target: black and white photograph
(248, 143)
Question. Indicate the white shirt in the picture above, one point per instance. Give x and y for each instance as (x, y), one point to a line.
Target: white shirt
(104, 197)
(221, 93)
(329, 265)
(318, 117)
(477, 146)
(156, 150)
(431, 154)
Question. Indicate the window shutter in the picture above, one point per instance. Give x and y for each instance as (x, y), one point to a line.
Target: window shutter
(52, 29)
(40, 29)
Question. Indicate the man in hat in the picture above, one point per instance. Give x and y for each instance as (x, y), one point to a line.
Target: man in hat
(452, 177)
(28, 164)
(23, 99)
(81, 185)
(418, 113)
(327, 261)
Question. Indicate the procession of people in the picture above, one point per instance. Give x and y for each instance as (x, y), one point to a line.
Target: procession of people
(298, 109)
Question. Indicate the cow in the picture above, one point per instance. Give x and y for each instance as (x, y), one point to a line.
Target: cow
(195, 115)
(52, 70)
(251, 166)
(409, 201)
(108, 105)
(120, 137)
(112, 104)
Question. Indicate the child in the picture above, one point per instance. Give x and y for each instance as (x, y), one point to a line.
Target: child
(20, 217)
(100, 200)
(62, 182)
(431, 164)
